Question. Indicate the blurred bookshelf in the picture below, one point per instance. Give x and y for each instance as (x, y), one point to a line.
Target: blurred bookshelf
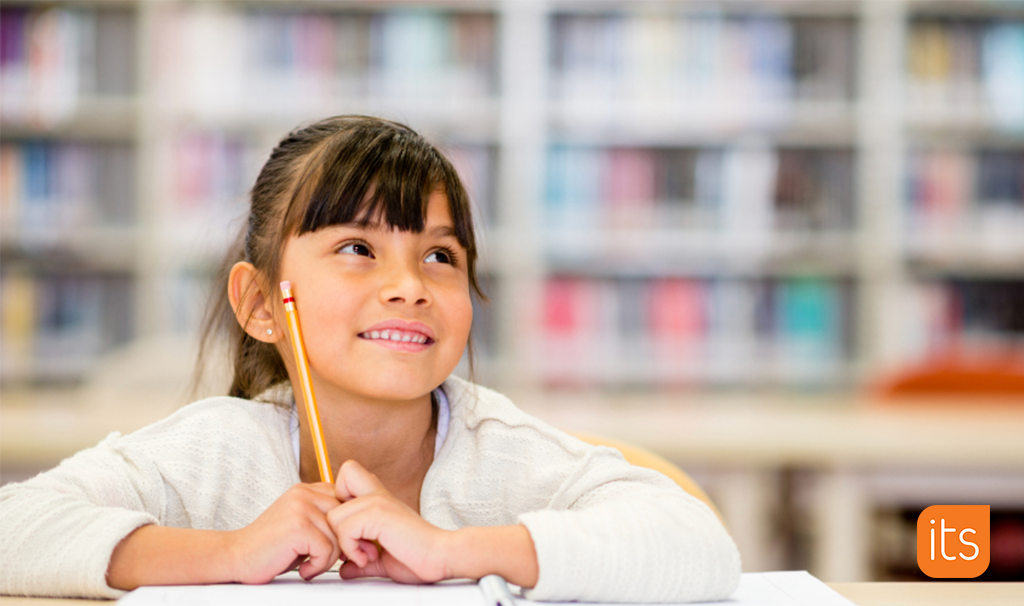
(695, 194)
(708, 197)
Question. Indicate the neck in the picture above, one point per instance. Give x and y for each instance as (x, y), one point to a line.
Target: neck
(393, 440)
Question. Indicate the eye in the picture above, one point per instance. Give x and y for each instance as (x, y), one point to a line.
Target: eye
(441, 255)
(356, 248)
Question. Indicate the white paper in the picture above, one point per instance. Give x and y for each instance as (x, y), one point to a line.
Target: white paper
(756, 589)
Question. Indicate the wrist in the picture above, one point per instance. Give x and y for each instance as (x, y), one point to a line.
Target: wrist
(477, 551)
(160, 555)
(461, 557)
(234, 555)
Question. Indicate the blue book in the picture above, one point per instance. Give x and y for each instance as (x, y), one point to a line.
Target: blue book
(38, 185)
(554, 183)
(415, 51)
(809, 317)
(1003, 69)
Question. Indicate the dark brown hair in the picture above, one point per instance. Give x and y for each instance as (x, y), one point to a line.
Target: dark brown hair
(339, 170)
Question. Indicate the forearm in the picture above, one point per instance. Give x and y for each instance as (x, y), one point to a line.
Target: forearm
(508, 551)
(160, 555)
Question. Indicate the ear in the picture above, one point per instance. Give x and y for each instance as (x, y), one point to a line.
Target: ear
(253, 309)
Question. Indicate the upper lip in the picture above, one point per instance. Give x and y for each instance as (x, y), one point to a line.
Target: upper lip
(403, 325)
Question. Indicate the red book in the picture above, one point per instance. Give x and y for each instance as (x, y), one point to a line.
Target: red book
(678, 327)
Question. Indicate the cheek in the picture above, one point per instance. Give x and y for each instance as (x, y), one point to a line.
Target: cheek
(336, 309)
(461, 317)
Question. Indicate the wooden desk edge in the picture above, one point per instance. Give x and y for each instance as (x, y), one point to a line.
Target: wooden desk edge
(931, 594)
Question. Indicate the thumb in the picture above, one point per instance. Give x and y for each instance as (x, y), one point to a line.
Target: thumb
(354, 481)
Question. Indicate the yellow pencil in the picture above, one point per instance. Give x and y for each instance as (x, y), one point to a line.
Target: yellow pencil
(302, 365)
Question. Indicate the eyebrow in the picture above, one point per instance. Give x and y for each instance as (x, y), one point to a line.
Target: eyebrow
(440, 231)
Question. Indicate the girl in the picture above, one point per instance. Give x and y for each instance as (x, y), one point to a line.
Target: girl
(438, 478)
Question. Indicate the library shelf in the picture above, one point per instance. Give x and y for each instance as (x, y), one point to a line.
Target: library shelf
(110, 118)
(474, 120)
(968, 9)
(667, 252)
(797, 119)
(992, 252)
(94, 248)
(742, 8)
(702, 123)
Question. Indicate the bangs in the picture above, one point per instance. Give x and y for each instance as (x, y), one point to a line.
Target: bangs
(377, 173)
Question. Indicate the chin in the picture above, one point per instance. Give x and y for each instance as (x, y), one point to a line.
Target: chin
(400, 386)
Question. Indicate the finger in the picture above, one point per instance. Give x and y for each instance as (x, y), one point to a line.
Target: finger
(356, 536)
(327, 534)
(322, 555)
(323, 525)
(371, 549)
(322, 487)
(349, 570)
(364, 553)
(321, 495)
(337, 516)
(354, 481)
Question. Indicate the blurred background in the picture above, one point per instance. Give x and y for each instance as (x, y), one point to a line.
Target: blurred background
(778, 242)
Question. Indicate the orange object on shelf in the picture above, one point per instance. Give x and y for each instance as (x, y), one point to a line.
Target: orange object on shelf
(959, 372)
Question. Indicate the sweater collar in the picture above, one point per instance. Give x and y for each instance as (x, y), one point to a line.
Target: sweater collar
(443, 420)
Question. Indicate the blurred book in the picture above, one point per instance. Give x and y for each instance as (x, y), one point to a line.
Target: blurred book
(748, 189)
(207, 198)
(973, 199)
(742, 68)
(476, 166)
(808, 328)
(51, 188)
(54, 326)
(52, 58)
(966, 68)
(217, 57)
(941, 315)
(693, 331)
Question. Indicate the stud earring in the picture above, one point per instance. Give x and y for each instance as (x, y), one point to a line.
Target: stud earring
(270, 331)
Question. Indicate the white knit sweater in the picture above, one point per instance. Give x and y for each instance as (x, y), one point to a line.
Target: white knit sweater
(603, 529)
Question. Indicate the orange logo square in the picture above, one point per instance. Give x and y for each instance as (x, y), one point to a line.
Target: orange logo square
(953, 541)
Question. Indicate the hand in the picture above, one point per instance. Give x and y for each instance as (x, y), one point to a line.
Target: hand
(292, 532)
(411, 549)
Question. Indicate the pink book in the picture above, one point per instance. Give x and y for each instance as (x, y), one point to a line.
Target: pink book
(630, 187)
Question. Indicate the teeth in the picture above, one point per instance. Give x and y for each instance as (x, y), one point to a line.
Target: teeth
(394, 335)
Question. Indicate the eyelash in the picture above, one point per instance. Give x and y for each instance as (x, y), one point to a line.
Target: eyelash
(453, 259)
(357, 243)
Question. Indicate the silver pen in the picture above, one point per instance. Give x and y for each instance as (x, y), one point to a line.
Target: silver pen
(496, 591)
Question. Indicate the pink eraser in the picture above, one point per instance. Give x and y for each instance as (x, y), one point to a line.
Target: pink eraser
(286, 285)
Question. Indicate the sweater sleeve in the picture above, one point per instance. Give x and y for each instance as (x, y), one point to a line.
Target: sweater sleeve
(603, 530)
(613, 532)
(215, 464)
(57, 530)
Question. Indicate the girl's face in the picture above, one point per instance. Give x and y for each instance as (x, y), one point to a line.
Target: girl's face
(385, 314)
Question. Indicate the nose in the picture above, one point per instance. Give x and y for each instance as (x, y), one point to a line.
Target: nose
(403, 283)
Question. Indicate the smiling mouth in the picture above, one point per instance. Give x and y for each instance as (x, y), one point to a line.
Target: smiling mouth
(396, 336)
